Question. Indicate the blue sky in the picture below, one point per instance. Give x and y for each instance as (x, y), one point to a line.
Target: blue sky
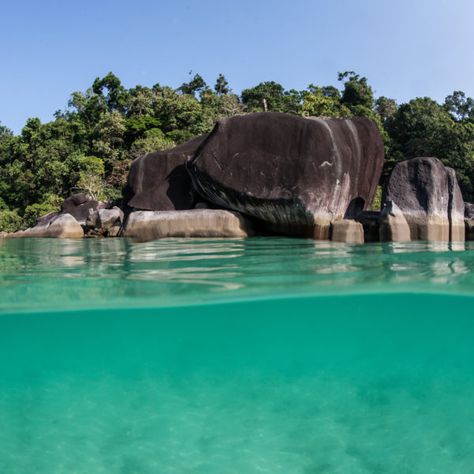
(406, 48)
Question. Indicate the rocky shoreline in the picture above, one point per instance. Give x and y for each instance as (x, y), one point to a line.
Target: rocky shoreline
(274, 174)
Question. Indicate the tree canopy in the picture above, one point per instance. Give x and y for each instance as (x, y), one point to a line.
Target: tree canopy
(89, 146)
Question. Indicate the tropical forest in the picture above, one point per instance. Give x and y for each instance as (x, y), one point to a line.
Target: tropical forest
(89, 146)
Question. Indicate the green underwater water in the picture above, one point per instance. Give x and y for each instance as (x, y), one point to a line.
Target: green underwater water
(236, 356)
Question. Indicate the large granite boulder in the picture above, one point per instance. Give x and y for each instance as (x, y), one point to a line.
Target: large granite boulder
(79, 206)
(295, 174)
(159, 181)
(61, 226)
(428, 196)
(151, 225)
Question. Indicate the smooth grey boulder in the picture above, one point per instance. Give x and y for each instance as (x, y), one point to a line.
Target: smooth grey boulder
(428, 196)
(79, 206)
(393, 227)
(151, 225)
(62, 226)
(348, 231)
(295, 174)
(109, 221)
(108, 218)
(105, 222)
(159, 181)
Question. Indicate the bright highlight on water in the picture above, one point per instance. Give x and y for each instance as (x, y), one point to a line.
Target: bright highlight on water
(235, 356)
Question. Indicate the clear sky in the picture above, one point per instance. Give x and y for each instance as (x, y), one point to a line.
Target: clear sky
(406, 48)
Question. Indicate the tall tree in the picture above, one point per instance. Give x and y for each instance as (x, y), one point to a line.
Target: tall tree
(324, 102)
(196, 85)
(271, 96)
(110, 89)
(385, 108)
(5, 131)
(357, 94)
(460, 106)
(222, 86)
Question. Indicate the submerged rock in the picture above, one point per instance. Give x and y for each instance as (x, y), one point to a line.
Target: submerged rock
(151, 225)
(159, 181)
(295, 174)
(62, 226)
(348, 231)
(428, 196)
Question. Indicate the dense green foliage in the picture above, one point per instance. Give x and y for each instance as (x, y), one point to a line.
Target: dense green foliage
(90, 145)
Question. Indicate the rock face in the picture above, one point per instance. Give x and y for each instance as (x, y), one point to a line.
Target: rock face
(159, 181)
(296, 174)
(428, 196)
(79, 206)
(151, 225)
(348, 231)
(62, 226)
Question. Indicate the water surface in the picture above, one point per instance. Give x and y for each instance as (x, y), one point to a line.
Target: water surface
(50, 274)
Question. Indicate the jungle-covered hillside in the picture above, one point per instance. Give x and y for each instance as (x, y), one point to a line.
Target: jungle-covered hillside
(89, 146)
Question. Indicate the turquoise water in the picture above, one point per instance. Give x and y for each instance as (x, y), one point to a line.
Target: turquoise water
(239, 356)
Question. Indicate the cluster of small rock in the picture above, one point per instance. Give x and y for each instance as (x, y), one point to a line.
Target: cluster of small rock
(80, 216)
(275, 174)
